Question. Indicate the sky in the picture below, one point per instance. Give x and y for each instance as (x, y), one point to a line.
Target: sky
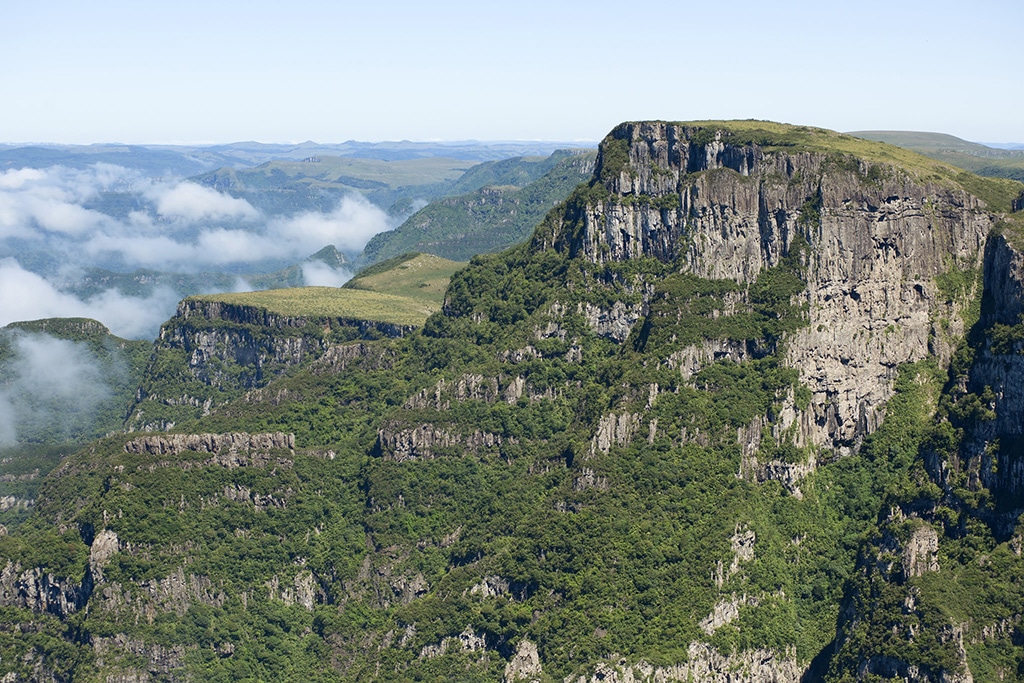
(329, 71)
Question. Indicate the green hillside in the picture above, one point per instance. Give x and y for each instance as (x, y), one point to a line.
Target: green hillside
(422, 277)
(508, 201)
(971, 156)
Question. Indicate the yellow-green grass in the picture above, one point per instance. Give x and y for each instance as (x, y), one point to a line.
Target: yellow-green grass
(997, 193)
(422, 277)
(332, 302)
(402, 291)
(921, 140)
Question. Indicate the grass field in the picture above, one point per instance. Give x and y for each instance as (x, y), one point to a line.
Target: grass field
(423, 277)
(404, 291)
(332, 302)
(971, 156)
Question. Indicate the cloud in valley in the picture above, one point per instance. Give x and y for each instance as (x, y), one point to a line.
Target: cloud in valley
(34, 202)
(52, 386)
(193, 202)
(147, 244)
(349, 227)
(316, 274)
(176, 225)
(27, 296)
(60, 221)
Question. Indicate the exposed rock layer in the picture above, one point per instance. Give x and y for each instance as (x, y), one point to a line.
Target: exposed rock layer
(878, 239)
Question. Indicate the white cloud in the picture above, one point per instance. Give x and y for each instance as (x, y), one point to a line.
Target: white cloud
(316, 274)
(193, 202)
(349, 227)
(15, 178)
(54, 386)
(58, 368)
(49, 200)
(27, 296)
(155, 245)
(60, 216)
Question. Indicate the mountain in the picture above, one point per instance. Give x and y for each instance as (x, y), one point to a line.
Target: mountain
(154, 162)
(743, 408)
(187, 160)
(981, 159)
(317, 183)
(506, 199)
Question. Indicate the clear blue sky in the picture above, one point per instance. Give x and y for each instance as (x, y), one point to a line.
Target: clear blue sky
(219, 71)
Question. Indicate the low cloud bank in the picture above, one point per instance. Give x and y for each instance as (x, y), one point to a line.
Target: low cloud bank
(53, 388)
(27, 296)
(322, 275)
(192, 202)
(112, 217)
(113, 213)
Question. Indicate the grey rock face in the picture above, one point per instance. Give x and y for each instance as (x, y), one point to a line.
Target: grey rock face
(239, 442)
(525, 666)
(996, 377)
(41, 591)
(705, 664)
(400, 442)
(878, 239)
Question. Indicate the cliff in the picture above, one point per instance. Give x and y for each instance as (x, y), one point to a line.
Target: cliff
(212, 351)
(722, 205)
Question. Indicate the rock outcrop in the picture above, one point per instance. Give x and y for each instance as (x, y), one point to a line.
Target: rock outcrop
(219, 350)
(524, 667)
(705, 664)
(727, 208)
(239, 442)
(38, 590)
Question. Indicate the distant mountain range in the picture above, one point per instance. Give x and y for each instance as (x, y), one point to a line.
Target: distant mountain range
(1001, 160)
(187, 160)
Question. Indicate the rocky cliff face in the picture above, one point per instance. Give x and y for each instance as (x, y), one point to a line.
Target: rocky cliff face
(212, 351)
(990, 395)
(729, 209)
